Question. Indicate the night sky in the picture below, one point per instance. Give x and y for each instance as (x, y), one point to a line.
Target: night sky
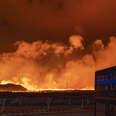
(55, 20)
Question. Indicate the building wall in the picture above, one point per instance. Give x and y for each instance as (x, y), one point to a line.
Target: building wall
(105, 87)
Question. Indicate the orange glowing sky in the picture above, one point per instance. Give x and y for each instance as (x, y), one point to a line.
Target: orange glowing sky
(56, 44)
(40, 65)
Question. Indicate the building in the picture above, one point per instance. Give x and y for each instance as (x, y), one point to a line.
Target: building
(105, 92)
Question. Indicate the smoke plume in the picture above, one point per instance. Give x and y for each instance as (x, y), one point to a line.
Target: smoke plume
(44, 65)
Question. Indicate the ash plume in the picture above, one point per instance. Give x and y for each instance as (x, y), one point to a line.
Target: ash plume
(44, 65)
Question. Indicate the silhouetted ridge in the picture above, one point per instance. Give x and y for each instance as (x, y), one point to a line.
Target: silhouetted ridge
(11, 87)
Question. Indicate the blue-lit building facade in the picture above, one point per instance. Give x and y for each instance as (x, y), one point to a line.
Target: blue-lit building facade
(105, 92)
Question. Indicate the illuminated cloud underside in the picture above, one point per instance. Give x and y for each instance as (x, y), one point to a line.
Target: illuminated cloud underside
(41, 65)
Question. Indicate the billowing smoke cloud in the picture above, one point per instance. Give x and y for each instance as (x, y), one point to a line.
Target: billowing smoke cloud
(44, 65)
(76, 41)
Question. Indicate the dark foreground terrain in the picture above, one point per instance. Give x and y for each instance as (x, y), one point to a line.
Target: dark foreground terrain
(73, 112)
(47, 103)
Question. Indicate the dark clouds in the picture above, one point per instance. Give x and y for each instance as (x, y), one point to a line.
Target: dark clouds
(55, 20)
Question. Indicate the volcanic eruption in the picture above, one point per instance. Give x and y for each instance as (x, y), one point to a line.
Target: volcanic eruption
(43, 65)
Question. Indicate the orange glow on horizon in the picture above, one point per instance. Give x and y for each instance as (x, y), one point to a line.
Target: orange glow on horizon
(42, 66)
(32, 89)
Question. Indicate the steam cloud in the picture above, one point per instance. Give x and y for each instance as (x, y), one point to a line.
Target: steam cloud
(41, 65)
